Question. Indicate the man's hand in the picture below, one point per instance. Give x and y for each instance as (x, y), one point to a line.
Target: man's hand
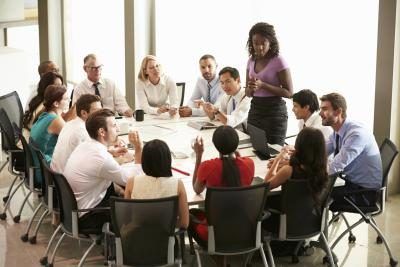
(163, 109)
(128, 113)
(209, 109)
(172, 111)
(185, 111)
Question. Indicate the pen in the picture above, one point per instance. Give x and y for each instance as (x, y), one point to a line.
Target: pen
(180, 171)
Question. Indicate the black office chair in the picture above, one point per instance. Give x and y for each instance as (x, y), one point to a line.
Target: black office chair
(297, 205)
(11, 103)
(48, 200)
(388, 152)
(69, 220)
(234, 216)
(30, 178)
(181, 92)
(145, 231)
(15, 159)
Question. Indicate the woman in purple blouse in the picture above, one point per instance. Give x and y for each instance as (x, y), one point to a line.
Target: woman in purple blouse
(268, 79)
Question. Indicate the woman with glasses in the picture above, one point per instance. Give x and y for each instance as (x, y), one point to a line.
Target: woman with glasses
(156, 92)
(268, 79)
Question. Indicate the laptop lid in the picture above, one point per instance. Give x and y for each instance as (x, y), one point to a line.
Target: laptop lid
(259, 142)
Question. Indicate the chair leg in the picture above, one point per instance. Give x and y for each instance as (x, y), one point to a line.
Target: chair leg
(345, 232)
(328, 250)
(269, 253)
(182, 247)
(264, 259)
(352, 238)
(82, 261)
(4, 164)
(25, 236)
(379, 232)
(198, 258)
(32, 240)
(3, 215)
(18, 216)
(56, 248)
(43, 260)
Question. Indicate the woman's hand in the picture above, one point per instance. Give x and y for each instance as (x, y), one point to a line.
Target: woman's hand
(163, 109)
(198, 146)
(134, 139)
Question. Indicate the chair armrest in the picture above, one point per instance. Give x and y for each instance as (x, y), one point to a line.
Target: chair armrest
(265, 215)
(180, 231)
(15, 151)
(94, 209)
(275, 211)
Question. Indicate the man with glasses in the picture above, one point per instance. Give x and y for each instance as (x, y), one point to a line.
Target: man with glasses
(106, 89)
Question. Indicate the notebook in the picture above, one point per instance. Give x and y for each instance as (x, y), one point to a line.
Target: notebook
(201, 125)
(260, 144)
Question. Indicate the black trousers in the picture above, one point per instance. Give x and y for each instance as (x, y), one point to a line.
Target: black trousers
(270, 114)
(96, 219)
(362, 200)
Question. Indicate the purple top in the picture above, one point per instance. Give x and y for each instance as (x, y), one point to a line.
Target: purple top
(269, 74)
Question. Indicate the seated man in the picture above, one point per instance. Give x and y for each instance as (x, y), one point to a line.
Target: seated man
(111, 97)
(232, 108)
(91, 169)
(207, 88)
(74, 132)
(355, 150)
(305, 108)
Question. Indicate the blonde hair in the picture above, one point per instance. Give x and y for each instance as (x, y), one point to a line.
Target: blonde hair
(142, 73)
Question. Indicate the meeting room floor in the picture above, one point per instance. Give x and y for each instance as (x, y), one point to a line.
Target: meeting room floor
(365, 252)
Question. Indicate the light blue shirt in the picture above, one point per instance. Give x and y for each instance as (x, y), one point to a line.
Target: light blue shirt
(358, 156)
(201, 92)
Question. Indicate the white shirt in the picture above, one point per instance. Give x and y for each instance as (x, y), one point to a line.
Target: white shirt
(150, 97)
(90, 170)
(147, 187)
(236, 116)
(315, 121)
(72, 134)
(201, 92)
(111, 97)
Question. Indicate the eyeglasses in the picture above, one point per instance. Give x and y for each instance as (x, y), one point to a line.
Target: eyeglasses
(94, 68)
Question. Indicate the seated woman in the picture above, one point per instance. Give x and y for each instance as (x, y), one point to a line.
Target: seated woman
(228, 170)
(308, 161)
(154, 89)
(45, 130)
(158, 181)
(36, 104)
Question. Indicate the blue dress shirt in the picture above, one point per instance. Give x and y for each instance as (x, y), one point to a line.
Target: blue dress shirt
(359, 157)
(201, 92)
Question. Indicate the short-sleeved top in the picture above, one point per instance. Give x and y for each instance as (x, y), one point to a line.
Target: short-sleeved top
(148, 187)
(268, 74)
(43, 139)
(210, 171)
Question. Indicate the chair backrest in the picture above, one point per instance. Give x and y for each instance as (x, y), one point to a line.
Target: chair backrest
(388, 152)
(233, 215)
(66, 200)
(181, 92)
(11, 103)
(145, 228)
(9, 138)
(298, 205)
(32, 168)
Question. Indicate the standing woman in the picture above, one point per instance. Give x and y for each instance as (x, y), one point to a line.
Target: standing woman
(47, 127)
(156, 92)
(268, 79)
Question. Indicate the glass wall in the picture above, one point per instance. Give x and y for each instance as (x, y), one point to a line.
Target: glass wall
(328, 47)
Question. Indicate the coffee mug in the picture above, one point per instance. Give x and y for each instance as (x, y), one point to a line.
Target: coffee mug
(139, 115)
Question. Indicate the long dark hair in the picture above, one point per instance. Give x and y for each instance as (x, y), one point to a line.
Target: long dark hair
(311, 159)
(156, 159)
(267, 31)
(46, 80)
(226, 140)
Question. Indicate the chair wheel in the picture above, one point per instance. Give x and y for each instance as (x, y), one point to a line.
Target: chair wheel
(308, 251)
(325, 259)
(379, 240)
(43, 261)
(32, 240)
(24, 238)
(295, 259)
(393, 262)
(17, 218)
(3, 216)
(352, 238)
(5, 199)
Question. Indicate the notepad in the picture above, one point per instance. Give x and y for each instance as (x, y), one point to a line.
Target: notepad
(201, 125)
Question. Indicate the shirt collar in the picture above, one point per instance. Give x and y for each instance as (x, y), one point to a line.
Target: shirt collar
(161, 82)
(311, 119)
(343, 129)
(90, 83)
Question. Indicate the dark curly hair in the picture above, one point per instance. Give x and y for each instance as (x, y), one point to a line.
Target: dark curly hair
(266, 30)
(310, 158)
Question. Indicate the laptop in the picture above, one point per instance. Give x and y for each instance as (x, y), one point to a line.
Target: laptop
(260, 144)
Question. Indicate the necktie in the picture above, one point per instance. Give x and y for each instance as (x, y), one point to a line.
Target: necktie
(209, 93)
(96, 89)
(337, 145)
(233, 104)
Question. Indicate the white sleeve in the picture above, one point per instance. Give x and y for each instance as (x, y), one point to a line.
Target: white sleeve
(240, 114)
(112, 171)
(119, 100)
